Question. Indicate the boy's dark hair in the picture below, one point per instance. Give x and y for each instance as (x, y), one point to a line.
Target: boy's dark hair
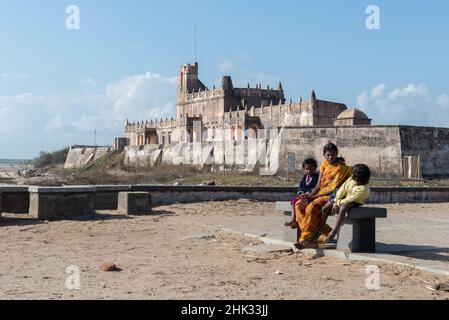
(361, 173)
(330, 147)
(310, 162)
(341, 159)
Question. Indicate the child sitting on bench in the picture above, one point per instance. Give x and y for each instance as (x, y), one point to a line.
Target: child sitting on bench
(353, 193)
(306, 186)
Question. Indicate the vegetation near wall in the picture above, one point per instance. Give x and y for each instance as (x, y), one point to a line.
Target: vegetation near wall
(50, 158)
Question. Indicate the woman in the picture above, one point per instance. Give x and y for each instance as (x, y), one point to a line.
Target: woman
(333, 173)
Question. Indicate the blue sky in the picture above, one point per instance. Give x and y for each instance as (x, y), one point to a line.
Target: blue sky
(57, 85)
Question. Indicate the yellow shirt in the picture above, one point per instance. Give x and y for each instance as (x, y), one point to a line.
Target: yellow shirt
(350, 192)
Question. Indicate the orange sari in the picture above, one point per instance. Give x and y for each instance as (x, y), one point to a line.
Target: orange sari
(309, 217)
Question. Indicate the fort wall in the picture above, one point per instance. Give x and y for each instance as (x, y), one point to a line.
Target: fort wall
(377, 146)
(79, 156)
(431, 145)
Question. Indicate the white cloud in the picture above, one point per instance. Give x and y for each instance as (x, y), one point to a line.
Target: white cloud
(90, 82)
(46, 122)
(378, 90)
(413, 105)
(7, 76)
(443, 101)
(22, 76)
(242, 74)
(225, 65)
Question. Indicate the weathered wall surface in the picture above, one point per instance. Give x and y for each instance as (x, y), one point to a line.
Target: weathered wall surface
(244, 155)
(431, 144)
(79, 156)
(143, 156)
(205, 104)
(48, 206)
(325, 112)
(377, 146)
(380, 147)
(15, 202)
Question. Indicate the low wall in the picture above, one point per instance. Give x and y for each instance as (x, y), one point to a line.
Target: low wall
(14, 199)
(106, 197)
(163, 195)
(381, 195)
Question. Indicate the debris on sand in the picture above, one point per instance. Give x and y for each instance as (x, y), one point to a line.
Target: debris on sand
(434, 285)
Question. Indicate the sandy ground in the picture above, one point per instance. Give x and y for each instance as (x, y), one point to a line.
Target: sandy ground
(172, 256)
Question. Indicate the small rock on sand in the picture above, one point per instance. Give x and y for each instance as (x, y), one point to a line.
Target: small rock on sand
(108, 267)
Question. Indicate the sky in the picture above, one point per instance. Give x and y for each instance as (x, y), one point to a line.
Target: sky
(59, 84)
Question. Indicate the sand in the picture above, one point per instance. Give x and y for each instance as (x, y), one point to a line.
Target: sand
(172, 256)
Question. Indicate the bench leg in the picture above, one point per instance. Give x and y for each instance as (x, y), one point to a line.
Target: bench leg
(357, 235)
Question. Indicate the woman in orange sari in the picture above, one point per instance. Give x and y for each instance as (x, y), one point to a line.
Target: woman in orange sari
(333, 173)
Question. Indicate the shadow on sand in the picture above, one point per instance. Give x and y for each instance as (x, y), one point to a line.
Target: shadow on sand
(18, 220)
(423, 252)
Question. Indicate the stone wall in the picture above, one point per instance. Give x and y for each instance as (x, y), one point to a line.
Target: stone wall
(210, 106)
(242, 155)
(377, 146)
(432, 146)
(325, 112)
(380, 147)
(79, 156)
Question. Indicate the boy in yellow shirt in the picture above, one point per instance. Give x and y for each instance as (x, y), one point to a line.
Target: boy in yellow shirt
(353, 193)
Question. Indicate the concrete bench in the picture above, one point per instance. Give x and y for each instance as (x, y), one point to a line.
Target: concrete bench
(48, 203)
(358, 233)
(134, 203)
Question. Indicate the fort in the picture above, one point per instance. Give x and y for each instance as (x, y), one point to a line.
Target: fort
(237, 109)
(254, 127)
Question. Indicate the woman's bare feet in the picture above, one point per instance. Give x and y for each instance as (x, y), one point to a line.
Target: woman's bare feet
(292, 224)
(306, 245)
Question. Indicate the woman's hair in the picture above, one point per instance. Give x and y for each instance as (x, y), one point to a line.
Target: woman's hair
(310, 162)
(330, 147)
(361, 173)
